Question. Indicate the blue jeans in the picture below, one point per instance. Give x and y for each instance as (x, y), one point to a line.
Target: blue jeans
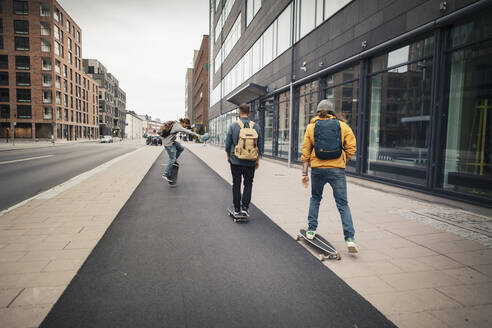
(336, 178)
(173, 151)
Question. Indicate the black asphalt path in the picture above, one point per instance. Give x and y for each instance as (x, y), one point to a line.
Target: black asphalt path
(173, 258)
(49, 166)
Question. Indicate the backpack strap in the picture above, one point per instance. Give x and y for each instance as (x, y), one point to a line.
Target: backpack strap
(240, 123)
(251, 124)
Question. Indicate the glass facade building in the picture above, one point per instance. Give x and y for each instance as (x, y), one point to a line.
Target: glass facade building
(413, 82)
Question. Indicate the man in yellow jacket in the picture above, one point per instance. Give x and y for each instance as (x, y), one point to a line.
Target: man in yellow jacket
(328, 166)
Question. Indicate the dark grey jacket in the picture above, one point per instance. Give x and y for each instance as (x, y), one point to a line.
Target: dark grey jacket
(233, 138)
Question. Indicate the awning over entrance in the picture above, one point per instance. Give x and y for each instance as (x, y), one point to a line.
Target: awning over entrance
(248, 93)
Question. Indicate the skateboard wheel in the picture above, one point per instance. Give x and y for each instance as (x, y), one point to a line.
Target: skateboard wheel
(321, 257)
(339, 257)
(297, 237)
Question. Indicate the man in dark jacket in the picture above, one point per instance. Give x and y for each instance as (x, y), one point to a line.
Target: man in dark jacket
(241, 168)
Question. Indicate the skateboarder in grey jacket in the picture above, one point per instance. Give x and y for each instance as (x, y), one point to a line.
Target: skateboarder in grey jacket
(174, 148)
(241, 167)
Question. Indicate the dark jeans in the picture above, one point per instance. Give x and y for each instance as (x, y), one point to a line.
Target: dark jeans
(247, 173)
(336, 178)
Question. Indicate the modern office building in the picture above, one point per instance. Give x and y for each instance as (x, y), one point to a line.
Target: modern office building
(112, 100)
(43, 90)
(200, 87)
(413, 79)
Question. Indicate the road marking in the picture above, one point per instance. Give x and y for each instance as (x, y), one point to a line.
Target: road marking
(26, 159)
(50, 193)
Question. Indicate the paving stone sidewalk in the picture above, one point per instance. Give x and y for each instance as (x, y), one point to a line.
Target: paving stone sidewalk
(420, 263)
(44, 242)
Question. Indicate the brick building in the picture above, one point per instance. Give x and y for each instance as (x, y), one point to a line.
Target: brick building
(43, 90)
(200, 87)
(189, 93)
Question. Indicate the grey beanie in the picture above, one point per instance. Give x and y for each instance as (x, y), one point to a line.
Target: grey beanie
(325, 105)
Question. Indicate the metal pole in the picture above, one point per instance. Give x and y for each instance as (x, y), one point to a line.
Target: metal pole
(291, 102)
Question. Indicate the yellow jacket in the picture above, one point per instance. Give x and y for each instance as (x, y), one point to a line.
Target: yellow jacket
(348, 142)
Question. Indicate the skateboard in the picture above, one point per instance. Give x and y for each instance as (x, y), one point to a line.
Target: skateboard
(174, 175)
(237, 218)
(329, 252)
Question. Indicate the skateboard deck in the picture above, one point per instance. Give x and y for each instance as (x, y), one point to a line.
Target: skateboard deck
(174, 175)
(329, 252)
(237, 218)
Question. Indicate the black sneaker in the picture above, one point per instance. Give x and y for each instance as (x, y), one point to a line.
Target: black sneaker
(245, 212)
(176, 163)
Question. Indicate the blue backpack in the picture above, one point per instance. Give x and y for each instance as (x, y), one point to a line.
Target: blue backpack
(328, 139)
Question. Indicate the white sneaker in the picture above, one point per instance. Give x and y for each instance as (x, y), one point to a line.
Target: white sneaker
(167, 179)
(310, 234)
(352, 246)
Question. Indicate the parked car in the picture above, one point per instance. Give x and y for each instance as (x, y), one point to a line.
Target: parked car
(106, 139)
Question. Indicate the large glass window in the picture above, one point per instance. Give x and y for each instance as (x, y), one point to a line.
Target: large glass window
(21, 43)
(308, 100)
(23, 78)
(4, 95)
(23, 95)
(4, 61)
(24, 111)
(21, 7)
(332, 6)
(268, 138)
(283, 125)
(399, 135)
(468, 143)
(283, 30)
(21, 27)
(4, 78)
(306, 16)
(252, 7)
(22, 62)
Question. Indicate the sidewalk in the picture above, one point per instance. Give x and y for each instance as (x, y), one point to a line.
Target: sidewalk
(44, 242)
(417, 271)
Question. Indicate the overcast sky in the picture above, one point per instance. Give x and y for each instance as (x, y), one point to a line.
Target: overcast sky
(146, 44)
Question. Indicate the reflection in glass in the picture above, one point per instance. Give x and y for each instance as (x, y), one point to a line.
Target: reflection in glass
(268, 137)
(283, 125)
(468, 153)
(308, 101)
(399, 122)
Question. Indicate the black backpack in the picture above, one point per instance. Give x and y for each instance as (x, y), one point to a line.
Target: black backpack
(166, 128)
(328, 139)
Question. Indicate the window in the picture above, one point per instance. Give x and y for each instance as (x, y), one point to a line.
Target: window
(4, 61)
(45, 45)
(65, 85)
(24, 111)
(56, 14)
(70, 58)
(46, 64)
(399, 136)
(332, 7)
(57, 66)
(23, 78)
(58, 113)
(57, 48)
(21, 43)
(306, 17)
(78, 36)
(22, 62)
(23, 95)
(70, 44)
(284, 30)
(1, 25)
(1, 41)
(68, 26)
(47, 113)
(5, 111)
(252, 7)
(21, 27)
(21, 7)
(45, 28)
(47, 80)
(57, 32)
(58, 82)
(65, 70)
(58, 98)
(4, 95)
(4, 78)
(468, 144)
(45, 9)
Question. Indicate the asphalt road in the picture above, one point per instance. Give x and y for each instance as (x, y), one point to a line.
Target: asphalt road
(27, 172)
(173, 258)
